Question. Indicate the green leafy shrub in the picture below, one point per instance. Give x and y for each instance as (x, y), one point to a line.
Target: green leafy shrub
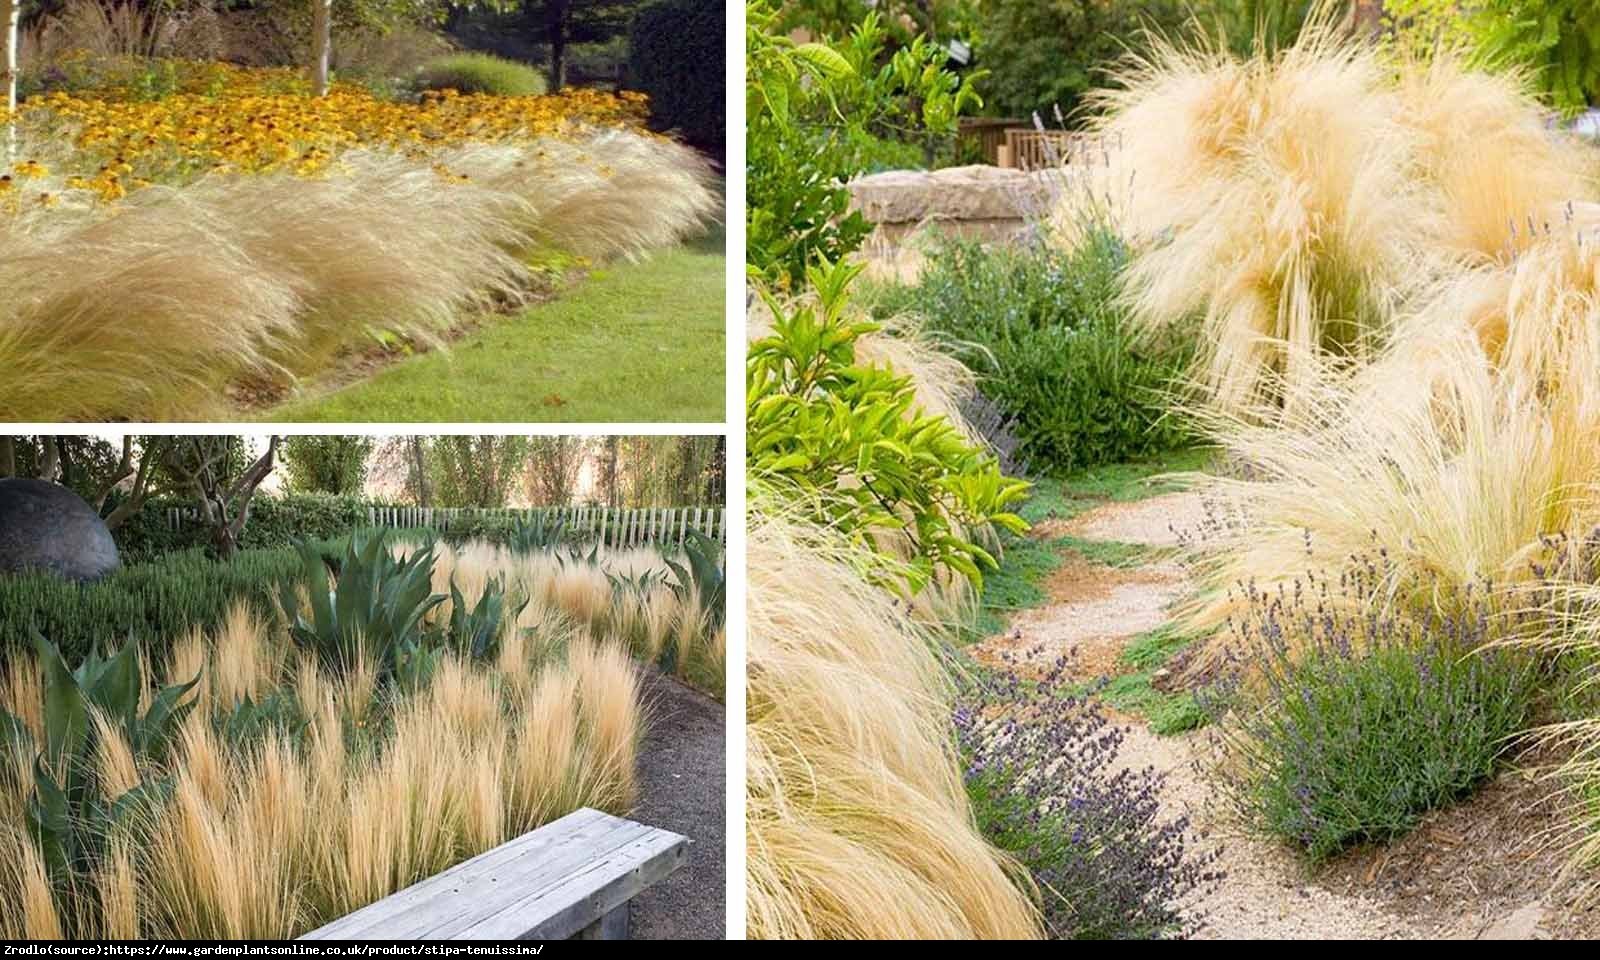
(1351, 726)
(275, 522)
(481, 73)
(677, 52)
(1053, 347)
(1047, 55)
(814, 113)
(848, 438)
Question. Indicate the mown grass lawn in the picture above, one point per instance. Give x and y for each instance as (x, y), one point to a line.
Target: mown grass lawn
(629, 342)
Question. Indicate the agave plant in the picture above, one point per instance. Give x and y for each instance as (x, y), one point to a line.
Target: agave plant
(541, 534)
(576, 557)
(374, 609)
(703, 580)
(70, 815)
(475, 631)
(639, 585)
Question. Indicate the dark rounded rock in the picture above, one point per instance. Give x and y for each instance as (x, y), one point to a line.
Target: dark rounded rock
(45, 526)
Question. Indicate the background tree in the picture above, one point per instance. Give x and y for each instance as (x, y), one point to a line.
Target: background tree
(321, 45)
(553, 467)
(10, 20)
(89, 466)
(1044, 55)
(610, 454)
(327, 464)
(560, 23)
(219, 474)
(475, 471)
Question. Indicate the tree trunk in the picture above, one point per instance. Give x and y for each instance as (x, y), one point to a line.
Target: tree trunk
(10, 19)
(419, 464)
(8, 457)
(321, 44)
(153, 449)
(49, 459)
(556, 32)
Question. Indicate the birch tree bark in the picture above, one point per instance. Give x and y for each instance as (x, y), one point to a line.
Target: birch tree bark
(10, 19)
(321, 44)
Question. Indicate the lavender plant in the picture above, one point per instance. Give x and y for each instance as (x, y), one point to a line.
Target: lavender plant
(1345, 719)
(1046, 787)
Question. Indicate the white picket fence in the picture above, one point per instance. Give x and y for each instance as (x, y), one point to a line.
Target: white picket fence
(621, 526)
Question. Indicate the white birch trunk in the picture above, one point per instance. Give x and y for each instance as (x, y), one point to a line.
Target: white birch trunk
(321, 44)
(10, 18)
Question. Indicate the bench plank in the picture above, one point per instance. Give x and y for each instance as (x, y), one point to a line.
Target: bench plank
(554, 882)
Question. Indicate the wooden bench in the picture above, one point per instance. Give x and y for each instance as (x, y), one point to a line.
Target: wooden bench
(570, 878)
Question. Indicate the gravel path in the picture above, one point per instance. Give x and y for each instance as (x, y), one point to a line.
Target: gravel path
(682, 774)
(1267, 893)
(1155, 521)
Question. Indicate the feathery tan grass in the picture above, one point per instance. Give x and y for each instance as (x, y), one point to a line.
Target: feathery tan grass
(858, 824)
(1453, 473)
(1273, 200)
(147, 309)
(382, 789)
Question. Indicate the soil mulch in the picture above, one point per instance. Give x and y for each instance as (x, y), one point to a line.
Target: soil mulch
(1492, 866)
(681, 780)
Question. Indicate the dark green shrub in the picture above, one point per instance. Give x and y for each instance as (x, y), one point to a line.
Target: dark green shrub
(275, 522)
(481, 73)
(1053, 347)
(678, 56)
(1350, 726)
(1047, 55)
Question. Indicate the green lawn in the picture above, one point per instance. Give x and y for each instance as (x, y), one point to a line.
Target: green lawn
(630, 342)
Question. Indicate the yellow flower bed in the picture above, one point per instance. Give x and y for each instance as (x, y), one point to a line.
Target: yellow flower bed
(252, 120)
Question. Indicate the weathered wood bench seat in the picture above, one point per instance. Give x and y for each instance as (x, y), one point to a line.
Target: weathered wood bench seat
(570, 878)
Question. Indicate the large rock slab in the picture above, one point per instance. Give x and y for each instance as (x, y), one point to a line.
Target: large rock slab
(972, 193)
(45, 526)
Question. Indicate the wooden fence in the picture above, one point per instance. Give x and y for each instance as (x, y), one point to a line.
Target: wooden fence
(616, 527)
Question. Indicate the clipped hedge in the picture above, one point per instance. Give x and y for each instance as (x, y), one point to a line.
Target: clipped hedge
(677, 56)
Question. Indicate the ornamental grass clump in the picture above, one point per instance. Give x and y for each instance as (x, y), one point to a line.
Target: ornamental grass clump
(1044, 771)
(859, 825)
(338, 781)
(1451, 468)
(1271, 197)
(1345, 727)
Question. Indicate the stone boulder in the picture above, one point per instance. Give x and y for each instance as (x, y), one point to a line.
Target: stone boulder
(46, 527)
(973, 193)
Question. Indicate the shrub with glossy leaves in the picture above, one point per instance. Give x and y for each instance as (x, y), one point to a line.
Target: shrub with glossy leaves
(849, 438)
